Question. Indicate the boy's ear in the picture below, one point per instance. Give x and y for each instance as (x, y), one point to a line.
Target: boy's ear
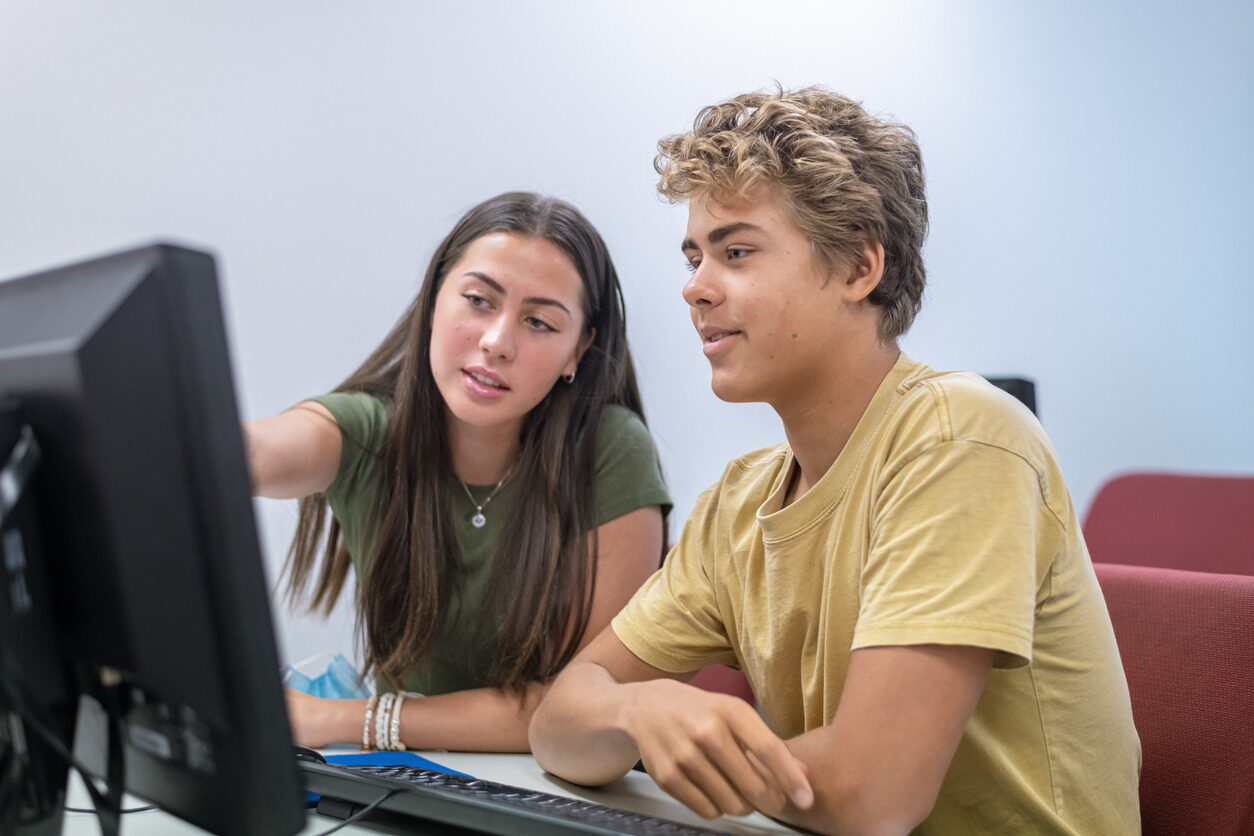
(866, 274)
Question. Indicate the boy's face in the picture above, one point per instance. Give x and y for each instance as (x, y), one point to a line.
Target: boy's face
(773, 321)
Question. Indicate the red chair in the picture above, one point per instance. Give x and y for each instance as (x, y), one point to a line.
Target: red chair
(721, 679)
(1187, 643)
(1174, 521)
(724, 680)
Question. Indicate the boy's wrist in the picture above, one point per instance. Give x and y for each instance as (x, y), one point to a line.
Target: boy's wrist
(633, 701)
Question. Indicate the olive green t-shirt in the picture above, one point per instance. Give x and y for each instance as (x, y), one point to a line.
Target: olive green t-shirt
(628, 477)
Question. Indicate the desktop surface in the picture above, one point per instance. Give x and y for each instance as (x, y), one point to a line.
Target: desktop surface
(636, 791)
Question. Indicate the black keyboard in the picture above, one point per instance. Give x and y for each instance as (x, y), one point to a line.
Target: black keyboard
(480, 806)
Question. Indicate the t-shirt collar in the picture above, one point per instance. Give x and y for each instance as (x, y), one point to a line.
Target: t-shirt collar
(782, 523)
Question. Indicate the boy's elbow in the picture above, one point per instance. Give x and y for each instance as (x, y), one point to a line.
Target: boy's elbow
(853, 804)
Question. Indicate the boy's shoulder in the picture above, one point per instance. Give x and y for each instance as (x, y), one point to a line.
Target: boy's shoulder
(765, 461)
(959, 406)
(945, 412)
(751, 476)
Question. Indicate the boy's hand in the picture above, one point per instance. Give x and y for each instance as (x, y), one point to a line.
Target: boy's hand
(712, 751)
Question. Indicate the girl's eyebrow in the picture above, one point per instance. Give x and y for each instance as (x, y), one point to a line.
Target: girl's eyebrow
(530, 300)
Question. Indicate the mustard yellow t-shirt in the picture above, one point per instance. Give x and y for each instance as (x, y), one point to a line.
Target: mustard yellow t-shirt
(944, 520)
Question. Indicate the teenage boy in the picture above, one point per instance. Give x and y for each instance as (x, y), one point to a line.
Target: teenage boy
(903, 582)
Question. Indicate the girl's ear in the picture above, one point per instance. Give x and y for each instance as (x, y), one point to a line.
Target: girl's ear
(584, 342)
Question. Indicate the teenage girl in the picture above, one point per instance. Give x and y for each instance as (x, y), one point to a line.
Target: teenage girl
(490, 482)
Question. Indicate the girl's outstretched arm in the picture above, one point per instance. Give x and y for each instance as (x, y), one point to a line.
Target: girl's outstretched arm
(295, 453)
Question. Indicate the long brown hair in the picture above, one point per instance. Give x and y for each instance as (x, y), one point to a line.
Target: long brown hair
(543, 571)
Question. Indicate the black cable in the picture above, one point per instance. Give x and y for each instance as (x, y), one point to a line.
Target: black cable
(356, 817)
(52, 740)
(10, 788)
(115, 769)
(124, 810)
(10, 774)
(28, 716)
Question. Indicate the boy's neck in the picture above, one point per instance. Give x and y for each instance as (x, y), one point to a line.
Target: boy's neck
(819, 427)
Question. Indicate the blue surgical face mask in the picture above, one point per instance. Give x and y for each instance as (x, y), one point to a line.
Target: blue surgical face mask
(339, 681)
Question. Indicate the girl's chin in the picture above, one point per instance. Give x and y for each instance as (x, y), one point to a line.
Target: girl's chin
(483, 416)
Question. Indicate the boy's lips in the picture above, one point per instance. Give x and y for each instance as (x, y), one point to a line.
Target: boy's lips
(715, 338)
(714, 332)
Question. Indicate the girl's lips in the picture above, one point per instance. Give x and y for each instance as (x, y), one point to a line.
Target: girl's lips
(483, 385)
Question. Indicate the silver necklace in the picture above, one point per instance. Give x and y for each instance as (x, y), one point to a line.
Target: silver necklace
(479, 520)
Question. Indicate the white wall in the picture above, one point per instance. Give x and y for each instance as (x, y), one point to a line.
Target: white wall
(1091, 185)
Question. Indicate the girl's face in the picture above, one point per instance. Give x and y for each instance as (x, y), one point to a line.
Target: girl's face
(508, 320)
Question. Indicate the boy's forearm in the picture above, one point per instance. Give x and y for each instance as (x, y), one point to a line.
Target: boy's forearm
(879, 765)
(575, 733)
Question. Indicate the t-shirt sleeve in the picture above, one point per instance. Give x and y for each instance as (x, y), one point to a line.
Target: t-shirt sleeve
(673, 621)
(629, 475)
(363, 422)
(962, 540)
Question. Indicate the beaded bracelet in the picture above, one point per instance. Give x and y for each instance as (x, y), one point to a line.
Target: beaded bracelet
(392, 739)
(394, 735)
(365, 729)
(382, 721)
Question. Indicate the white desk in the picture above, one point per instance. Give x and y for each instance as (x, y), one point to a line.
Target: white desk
(635, 791)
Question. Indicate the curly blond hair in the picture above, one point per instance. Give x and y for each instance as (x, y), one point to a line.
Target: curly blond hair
(844, 176)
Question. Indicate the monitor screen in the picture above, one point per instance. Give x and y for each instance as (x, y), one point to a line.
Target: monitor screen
(32, 677)
(161, 615)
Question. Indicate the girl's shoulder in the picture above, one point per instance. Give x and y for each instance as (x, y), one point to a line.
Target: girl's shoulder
(622, 429)
(362, 417)
(629, 472)
(616, 417)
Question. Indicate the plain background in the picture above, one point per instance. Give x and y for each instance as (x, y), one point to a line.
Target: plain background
(1090, 181)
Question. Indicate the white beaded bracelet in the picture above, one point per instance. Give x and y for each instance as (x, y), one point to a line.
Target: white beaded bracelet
(394, 741)
(381, 722)
(365, 729)
(394, 735)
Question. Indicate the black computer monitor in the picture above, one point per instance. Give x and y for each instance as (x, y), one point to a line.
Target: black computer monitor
(32, 771)
(156, 590)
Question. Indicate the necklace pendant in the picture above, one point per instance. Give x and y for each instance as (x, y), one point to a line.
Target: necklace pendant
(478, 520)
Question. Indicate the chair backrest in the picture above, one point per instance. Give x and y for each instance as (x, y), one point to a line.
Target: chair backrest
(724, 680)
(1187, 643)
(1175, 521)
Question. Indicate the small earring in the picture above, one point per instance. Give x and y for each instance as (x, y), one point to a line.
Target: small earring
(570, 378)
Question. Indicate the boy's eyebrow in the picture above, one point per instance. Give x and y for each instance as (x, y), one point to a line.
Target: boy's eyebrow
(530, 300)
(719, 233)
